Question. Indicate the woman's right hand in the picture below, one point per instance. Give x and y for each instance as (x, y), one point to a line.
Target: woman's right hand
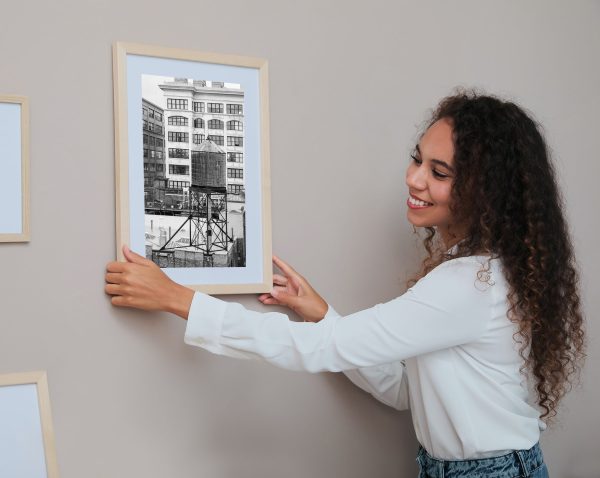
(293, 291)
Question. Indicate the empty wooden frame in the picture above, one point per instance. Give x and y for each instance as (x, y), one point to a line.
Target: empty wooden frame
(27, 447)
(14, 164)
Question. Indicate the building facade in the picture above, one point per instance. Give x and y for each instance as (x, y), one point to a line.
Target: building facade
(195, 112)
(153, 129)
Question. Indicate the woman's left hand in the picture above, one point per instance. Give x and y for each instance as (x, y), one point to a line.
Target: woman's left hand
(139, 283)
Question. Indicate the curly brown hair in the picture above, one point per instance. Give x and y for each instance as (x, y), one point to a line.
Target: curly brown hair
(511, 208)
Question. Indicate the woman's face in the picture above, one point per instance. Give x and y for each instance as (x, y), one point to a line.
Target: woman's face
(429, 178)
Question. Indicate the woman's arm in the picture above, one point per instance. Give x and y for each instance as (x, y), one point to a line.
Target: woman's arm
(388, 382)
(442, 310)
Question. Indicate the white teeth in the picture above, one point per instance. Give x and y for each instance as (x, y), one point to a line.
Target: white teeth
(417, 202)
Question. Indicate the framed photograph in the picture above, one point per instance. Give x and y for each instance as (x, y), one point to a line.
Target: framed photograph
(27, 447)
(14, 164)
(192, 165)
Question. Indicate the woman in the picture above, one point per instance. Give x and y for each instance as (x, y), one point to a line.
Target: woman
(492, 320)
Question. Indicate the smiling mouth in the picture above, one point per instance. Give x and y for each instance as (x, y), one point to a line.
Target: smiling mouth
(417, 203)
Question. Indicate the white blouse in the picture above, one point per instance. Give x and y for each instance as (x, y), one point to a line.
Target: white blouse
(445, 348)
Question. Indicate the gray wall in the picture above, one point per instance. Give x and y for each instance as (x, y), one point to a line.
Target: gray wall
(350, 83)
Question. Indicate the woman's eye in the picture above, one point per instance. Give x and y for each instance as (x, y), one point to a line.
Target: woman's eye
(439, 175)
(415, 159)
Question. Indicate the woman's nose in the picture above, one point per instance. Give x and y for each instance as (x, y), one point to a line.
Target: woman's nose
(416, 178)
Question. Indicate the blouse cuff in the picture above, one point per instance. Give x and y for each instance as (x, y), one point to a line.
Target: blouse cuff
(331, 312)
(204, 320)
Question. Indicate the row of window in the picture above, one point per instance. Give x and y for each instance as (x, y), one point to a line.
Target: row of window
(232, 141)
(178, 137)
(153, 167)
(235, 188)
(184, 153)
(232, 125)
(235, 173)
(150, 113)
(152, 141)
(150, 153)
(153, 128)
(178, 169)
(178, 184)
(198, 106)
(235, 157)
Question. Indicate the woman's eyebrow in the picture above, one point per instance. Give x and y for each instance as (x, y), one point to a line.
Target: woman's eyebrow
(436, 161)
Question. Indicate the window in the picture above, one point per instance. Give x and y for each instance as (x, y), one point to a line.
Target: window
(198, 107)
(154, 128)
(234, 109)
(234, 125)
(235, 188)
(198, 123)
(152, 154)
(158, 116)
(178, 184)
(146, 126)
(178, 121)
(145, 139)
(159, 155)
(177, 104)
(198, 138)
(159, 142)
(235, 141)
(235, 157)
(178, 137)
(160, 168)
(235, 173)
(151, 113)
(215, 124)
(215, 107)
(145, 112)
(177, 169)
(216, 139)
(179, 153)
(145, 152)
(146, 167)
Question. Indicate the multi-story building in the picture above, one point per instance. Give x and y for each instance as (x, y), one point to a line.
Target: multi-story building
(154, 149)
(195, 112)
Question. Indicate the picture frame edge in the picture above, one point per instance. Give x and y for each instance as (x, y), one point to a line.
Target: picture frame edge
(25, 234)
(120, 51)
(40, 379)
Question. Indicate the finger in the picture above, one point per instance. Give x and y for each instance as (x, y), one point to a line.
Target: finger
(133, 257)
(113, 289)
(285, 267)
(289, 300)
(271, 301)
(279, 280)
(120, 301)
(116, 266)
(113, 277)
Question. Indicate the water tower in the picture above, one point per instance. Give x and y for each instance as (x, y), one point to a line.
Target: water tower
(207, 218)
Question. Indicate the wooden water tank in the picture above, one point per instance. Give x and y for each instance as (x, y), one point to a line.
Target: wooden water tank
(208, 166)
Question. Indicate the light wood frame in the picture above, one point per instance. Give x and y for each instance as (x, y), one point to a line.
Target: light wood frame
(39, 378)
(24, 235)
(121, 51)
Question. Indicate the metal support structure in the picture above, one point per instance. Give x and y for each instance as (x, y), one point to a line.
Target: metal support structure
(207, 221)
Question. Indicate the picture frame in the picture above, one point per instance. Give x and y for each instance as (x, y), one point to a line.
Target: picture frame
(14, 163)
(25, 418)
(192, 165)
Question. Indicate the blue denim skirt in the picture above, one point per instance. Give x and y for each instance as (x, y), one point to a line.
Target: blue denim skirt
(517, 464)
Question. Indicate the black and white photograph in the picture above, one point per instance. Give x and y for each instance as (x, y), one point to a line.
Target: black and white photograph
(192, 165)
(193, 160)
